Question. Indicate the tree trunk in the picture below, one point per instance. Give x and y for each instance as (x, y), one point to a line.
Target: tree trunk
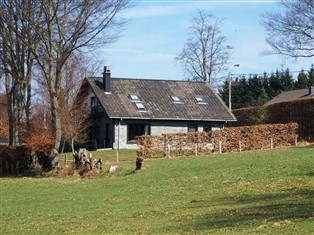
(72, 146)
(56, 122)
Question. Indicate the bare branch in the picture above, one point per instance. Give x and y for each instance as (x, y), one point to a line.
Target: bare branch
(291, 34)
(205, 53)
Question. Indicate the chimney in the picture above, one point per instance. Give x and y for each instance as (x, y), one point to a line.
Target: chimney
(106, 79)
(311, 90)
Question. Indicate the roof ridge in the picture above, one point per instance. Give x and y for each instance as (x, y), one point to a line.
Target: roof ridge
(147, 79)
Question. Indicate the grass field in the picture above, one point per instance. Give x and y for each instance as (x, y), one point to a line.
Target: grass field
(264, 192)
(108, 155)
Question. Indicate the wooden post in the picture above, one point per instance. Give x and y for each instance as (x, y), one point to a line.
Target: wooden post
(117, 155)
(195, 147)
(220, 146)
(65, 159)
(296, 140)
(169, 150)
(271, 143)
(240, 146)
(17, 166)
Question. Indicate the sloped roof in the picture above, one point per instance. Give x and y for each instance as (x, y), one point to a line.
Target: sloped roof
(290, 96)
(156, 97)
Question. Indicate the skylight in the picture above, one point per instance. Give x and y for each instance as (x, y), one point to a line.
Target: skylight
(135, 98)
(140, 107)
(176, 99)
(200, 100)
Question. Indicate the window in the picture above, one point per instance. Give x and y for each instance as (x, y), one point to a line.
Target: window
(93, 101)
(200, 100)
(176, 100)
(192, 128)
(135, 98)
(137, 130)
(96, 106)
(140, 107)
(207, 128)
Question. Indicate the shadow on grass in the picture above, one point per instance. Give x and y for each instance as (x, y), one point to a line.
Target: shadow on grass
(245, 211)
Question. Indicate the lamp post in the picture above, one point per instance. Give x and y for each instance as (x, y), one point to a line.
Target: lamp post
(230, 82)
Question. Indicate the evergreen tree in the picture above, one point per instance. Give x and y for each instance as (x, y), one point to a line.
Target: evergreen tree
(275, 86)
(259, 113)
(240, 93)
(255, 89)
(302, 80)
(311, 76)
(286, 80)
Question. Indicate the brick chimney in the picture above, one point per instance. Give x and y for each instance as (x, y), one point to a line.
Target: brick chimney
(106, 79)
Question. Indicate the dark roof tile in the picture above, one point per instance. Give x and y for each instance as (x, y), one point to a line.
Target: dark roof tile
(290, 96)
(156, 97)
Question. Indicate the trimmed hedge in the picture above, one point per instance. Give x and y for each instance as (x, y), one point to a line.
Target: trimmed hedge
(231, 139)
(298, 111)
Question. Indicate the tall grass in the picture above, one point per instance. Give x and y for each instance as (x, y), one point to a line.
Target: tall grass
(266, 192)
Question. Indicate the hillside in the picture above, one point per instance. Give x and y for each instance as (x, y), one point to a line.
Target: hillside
(264, 192)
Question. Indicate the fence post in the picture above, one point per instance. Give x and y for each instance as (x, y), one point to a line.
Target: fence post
(117, 154)
(195, 147)
(296, 140)
(169, 150)
(240, 146)
(17, 166)
(271, 143)
(220, 146)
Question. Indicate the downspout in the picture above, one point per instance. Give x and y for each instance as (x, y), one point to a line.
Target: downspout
(118, 148)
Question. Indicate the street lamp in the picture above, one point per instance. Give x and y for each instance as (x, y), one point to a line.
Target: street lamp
(229, 79)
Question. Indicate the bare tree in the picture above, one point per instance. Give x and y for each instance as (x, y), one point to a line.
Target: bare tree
(291, 33)
(74, 110)
(63, 27)
(205, 53)
(16, 63)
(4, 121)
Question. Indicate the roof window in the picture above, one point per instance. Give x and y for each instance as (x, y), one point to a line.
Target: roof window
(135, 98)
(140, 107)
(200, 100)
(176, 100)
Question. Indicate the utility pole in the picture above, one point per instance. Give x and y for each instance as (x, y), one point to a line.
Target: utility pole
(230, 83)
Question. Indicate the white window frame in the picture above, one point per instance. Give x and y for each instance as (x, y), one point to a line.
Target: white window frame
(200, 100)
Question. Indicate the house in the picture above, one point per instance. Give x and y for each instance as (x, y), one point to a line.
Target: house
(294, 106)
(300, 94)
(122, 109)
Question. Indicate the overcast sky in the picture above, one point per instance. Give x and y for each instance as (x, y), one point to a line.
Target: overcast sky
(157, 32)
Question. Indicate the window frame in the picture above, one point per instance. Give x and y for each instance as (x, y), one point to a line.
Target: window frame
(207, 128)
(137, 129)
(200, 100)
(140, 107)
(135, 98)
(192, 128)
(176, 99)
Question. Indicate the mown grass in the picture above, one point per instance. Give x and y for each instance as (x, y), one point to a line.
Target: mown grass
(108, 155)
(264, 192)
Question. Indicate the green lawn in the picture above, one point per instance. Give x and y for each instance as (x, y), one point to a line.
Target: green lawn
(263, 192)
(108, 155)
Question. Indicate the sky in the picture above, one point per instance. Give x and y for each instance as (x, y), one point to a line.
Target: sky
(158, 29)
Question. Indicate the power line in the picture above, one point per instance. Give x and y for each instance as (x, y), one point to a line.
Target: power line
(267, 74)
